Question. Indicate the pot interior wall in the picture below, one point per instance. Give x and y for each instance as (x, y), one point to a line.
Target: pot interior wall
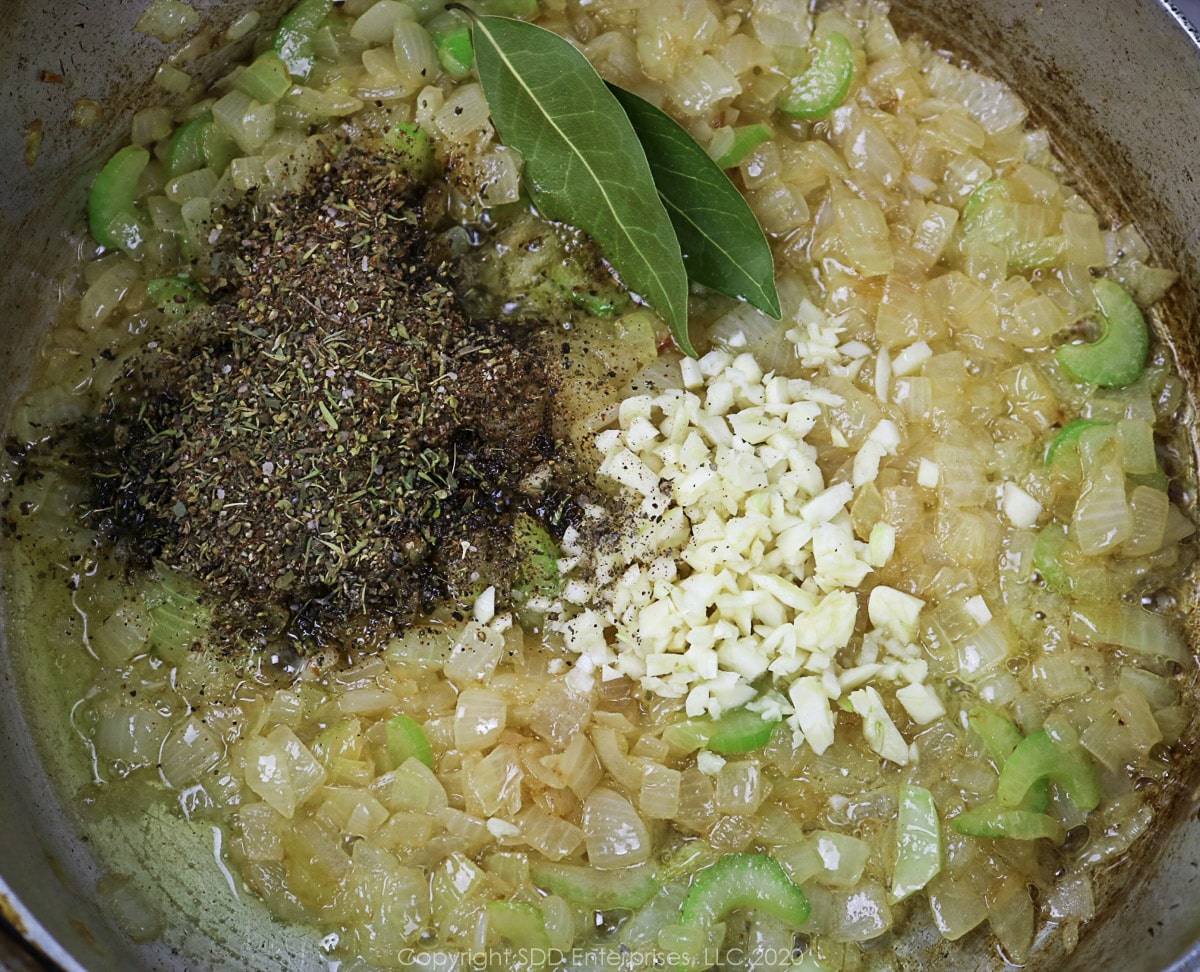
(1114, 81)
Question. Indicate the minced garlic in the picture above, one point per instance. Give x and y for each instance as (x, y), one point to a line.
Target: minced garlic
(742, 569)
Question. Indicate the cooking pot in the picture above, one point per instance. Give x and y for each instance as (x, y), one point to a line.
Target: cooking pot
(1117, 82)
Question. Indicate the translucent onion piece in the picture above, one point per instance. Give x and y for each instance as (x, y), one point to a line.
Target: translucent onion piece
(131, 735)
(553, 837)
(860, 914)
(282, 770)
(616, 836)
(376, 24)
(465, 115)
(1129, 626)
(411, 787)
(474, 656)
(493, 785)
(479, 718)
(257, 825)
(416, 59)
(189, 751)
(577, 766)
(740, 788)
(658, 798)
(103, 296)
(956, 906)
(559, 712)
(842, 858)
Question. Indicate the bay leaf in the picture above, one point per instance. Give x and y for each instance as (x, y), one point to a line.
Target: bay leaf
(723, 244)
(584, 164)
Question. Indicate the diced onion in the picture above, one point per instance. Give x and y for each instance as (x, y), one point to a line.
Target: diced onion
(479, 718)
(616, 836)
(861, 914)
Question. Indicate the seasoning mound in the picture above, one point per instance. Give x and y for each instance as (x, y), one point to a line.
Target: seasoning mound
(331, 434)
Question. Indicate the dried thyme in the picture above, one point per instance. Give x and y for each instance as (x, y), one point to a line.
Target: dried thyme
(332, 434)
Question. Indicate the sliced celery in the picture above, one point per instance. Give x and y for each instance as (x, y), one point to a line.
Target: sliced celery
(1047, 561)
(293, 40)
(113, 215)
(1000, 735)
(455, 52)
(1039, 758)
(753, 881)
(746, 138)
(997, 821)
(219, 148)
(737, 731)
(265, 79)
(629, 888)
(1068, 437)
(918, 842)
(520, 924)
(740, 731)
(414, 147)
(823, 86)
(186, 151)
(1119, 355)
(406, 740)
(176, 295)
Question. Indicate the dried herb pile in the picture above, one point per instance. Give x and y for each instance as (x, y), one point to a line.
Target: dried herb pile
(331, 434)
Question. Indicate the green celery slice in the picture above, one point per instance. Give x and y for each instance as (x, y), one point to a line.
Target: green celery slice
(265, 79)
(1068, 436)
(746, 138)
(1000, 735)
(406, 739)
(997, 821)
(918, 842)
(1040, 758)
(113, 216)
(629, 888)
(176, 294)
(744, 881)
(412, 143)
(740, 731)
(293, 40)
(519, 923)
(1046, 559)
(1119, 355)
(823, 86)
(737, 731)
(455, 52)
(186, 150)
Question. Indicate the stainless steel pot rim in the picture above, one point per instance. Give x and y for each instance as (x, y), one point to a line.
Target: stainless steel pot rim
(50, 934)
